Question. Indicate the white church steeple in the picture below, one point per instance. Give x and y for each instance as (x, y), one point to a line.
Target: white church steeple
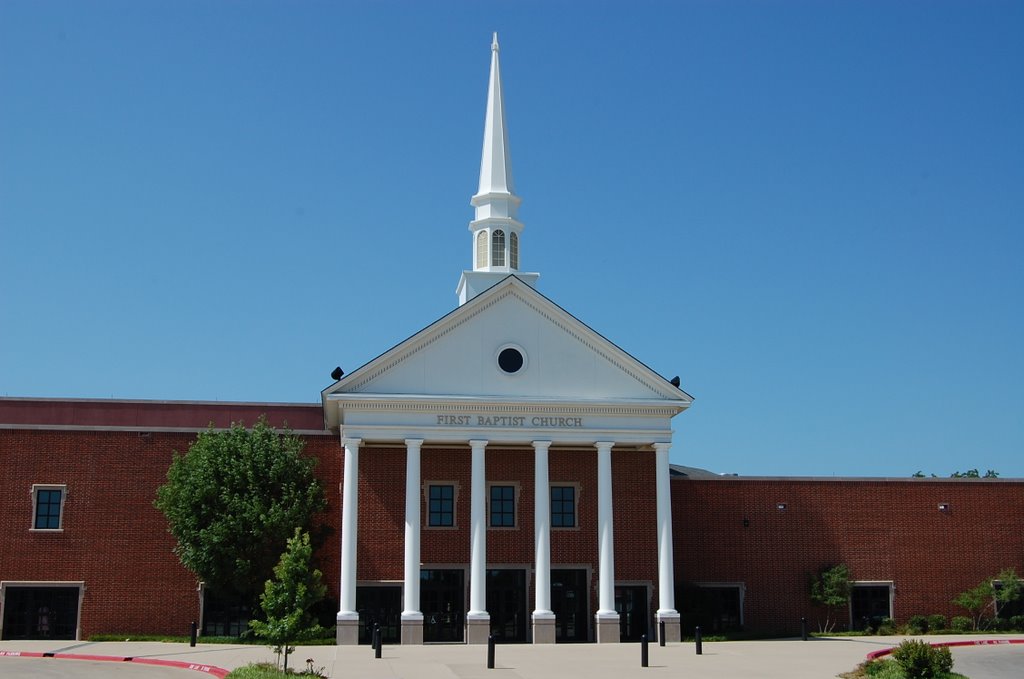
(495, 230)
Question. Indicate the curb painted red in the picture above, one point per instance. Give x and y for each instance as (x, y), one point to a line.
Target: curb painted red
(212, 670)
(875, 655)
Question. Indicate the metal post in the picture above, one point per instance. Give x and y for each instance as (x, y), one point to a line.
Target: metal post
(696, 636)
(643, 651)
(193, 634)
(490, 651)
(661, 633)
(803, 628)
(377, 641)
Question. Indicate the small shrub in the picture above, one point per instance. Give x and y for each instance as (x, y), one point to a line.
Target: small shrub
(961, 623)
(1017, 623)
(936, 623)
(919, 660)
(917, 624)
(886, 627)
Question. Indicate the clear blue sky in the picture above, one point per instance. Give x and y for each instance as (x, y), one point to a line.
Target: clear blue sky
(813, 212)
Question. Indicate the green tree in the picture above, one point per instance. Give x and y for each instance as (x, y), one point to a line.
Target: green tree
(974, 601)
(288, 598)
(969, 474)
(974, 474)
(994, 593)
(232, 502)
(1006, 588)
(831, 589)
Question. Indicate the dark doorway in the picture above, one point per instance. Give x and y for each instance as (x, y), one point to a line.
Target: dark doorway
(631, 605)
(40, 612)
(379, 605)
(569, 594)
(869, 604)
(715, 609)
(442, 600)
(224, 616)
(506, 602)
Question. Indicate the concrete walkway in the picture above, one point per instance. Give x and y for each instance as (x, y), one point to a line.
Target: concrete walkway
(770, 659)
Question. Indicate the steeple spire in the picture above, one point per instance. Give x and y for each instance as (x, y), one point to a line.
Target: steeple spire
(495, 162)
(495, 230)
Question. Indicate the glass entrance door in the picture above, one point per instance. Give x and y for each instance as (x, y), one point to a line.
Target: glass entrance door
(40, 612)
(569, 595)
(442, 600)
(379, 605)
(631, 605)
(506, 602)
(869, 605)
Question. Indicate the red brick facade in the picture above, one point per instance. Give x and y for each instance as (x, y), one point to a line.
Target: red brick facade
(887, 530)
(726, 530)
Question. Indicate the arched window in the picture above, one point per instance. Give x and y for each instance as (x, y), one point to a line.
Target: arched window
(481, 249)
(498, 248)
(513, 250)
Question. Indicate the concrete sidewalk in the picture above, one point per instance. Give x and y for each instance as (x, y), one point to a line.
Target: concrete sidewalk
(769, 659)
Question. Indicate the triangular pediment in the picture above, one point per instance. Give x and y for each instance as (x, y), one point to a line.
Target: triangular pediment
(457, 356)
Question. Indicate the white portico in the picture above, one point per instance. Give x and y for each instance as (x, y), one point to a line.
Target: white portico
(508, 368)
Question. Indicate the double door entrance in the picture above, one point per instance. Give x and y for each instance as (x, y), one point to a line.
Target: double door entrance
(40, 612)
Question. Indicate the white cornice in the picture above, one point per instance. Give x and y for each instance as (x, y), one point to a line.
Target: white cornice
(466, 404)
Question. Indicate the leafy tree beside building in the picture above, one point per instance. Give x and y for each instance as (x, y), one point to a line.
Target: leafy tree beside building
(234, 500)
(288, 598)
(831, 589)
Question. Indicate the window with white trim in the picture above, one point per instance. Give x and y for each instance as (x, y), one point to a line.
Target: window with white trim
(513, 250)
(48, 506)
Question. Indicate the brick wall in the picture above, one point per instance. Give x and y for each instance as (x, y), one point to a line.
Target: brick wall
(888, 530)
(113, 538)
(885, 530)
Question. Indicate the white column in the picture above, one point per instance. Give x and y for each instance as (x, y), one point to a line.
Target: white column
(348, 618)
(543, 616)
(607, 618)
(412, 617)
(666, 575)
(477, 619)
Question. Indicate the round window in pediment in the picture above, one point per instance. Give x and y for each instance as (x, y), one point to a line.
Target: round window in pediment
(511, 360)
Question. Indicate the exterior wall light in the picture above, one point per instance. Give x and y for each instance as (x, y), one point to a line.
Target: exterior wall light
(781, 506)
(943, 506)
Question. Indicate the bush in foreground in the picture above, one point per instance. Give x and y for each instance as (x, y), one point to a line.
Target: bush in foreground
(920, 660)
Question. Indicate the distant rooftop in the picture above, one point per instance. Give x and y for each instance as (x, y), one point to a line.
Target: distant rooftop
(679, 471)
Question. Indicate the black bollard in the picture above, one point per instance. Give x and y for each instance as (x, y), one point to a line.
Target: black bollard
(661, 633)
(193, 634)
(377, 641)
(696, 637)
(643, 651)
(490, 651)
(803, 628)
